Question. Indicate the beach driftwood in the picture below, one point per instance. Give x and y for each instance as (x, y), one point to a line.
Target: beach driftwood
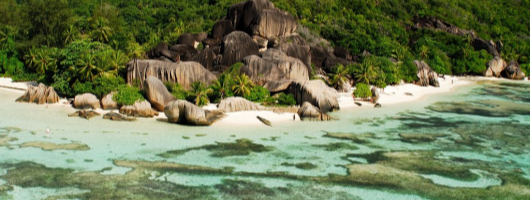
(264, 121)
(357, 103)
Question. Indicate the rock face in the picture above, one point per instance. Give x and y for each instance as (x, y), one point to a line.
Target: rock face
(206, 58)
(86, 100)
(489, 46)
(243, 14)
(331, 63)
(426, 76)
(183, 73)
(40, 95)
(274, 23)
(107, 103)
(236, 46)
(494, 67)
(162, 51)
(311, 113)
(184, 112)
(222, 28)
(315, 92)
(139, 109)
(236, 104)
(274, 70)
(513, 71)
(157, 93)
(191, 39)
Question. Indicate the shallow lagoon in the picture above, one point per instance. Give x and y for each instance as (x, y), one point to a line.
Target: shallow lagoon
(449, 146)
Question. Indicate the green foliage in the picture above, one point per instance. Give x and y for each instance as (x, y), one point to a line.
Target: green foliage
(242, 85)
(258, 94)
(525, 68)
(100, 87)
(362, 91)
(407, 71)
(339, 76)
(280, 99)
(176, 90)
(199, 93)
(127, 95)
(222, 88)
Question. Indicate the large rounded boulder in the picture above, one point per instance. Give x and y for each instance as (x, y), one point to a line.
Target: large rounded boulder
(236, 104)
(183, 73)
(236, 46)
(315, 92)
(513, 71)
(183, 112)
(311, 113)
(40, 95)
(107, 103)
(495, 67)
(426, 76)
(157, 93)
(274, 23)
(85, 101)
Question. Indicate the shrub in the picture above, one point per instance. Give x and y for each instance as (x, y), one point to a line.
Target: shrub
(100, 86)
(287, 100)
(280, 100)
(258, 94)
(127, 95)
(176, 90)
(362, 91)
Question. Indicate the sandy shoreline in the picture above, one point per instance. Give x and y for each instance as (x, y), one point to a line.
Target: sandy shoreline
(397, 94)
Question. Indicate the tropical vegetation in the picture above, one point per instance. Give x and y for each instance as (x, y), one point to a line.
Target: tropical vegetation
(77, 46)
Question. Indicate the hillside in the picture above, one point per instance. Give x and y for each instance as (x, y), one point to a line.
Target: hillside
(69, 44)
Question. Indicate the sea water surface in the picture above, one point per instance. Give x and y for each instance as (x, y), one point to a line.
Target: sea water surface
(472, 143)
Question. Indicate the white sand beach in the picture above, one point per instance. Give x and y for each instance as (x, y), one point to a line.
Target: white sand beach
(389, 96)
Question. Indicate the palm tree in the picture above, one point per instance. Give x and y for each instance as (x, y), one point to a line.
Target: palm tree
(71, 34)
(41, 60)
(117, 61)
(339, 76)
(424, 52)
(86, 67)
(222, 85)
(200, 93)
(101, 32)
(242, 86)
(134, 50)
(367, 70)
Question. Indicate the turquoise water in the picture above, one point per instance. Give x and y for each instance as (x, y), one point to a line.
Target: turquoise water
(468, 144)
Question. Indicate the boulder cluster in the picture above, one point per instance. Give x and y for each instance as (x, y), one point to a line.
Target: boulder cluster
(40, 94)
(255, 33)
(497, 67)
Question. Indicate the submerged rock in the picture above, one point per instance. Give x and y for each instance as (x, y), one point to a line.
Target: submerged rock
(377, 105)
(157, 93)
(84, 114)
(117, 117)
(85, 101)
(309, 112)
(140, 109)
(236, 104)
(183, 112)
(40, 95)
